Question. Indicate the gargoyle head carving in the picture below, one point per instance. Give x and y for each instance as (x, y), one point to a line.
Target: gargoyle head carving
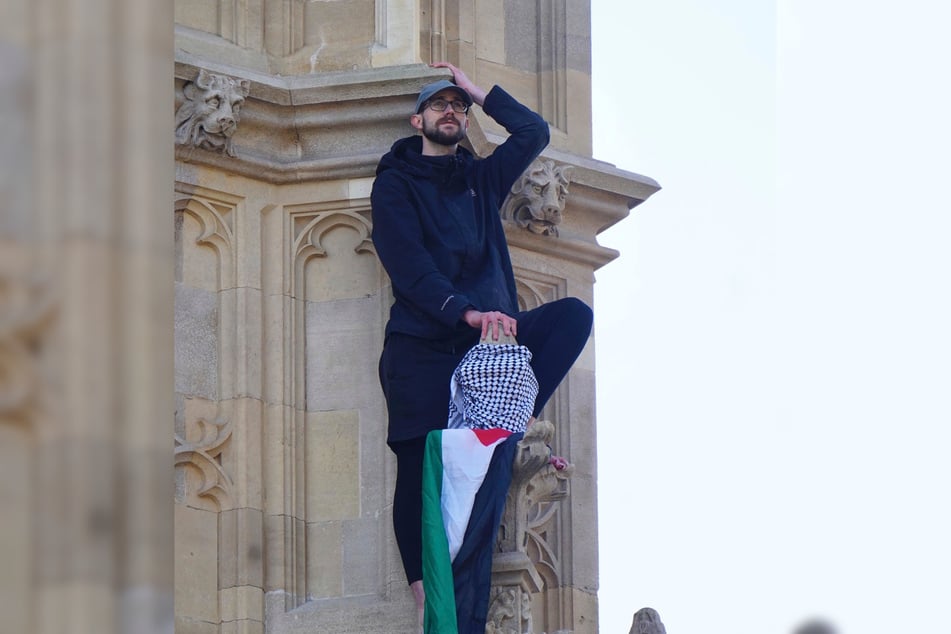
(210, 114)
(537, 198)
(647, 621)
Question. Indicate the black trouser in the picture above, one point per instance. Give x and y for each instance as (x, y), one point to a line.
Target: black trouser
(555, 333)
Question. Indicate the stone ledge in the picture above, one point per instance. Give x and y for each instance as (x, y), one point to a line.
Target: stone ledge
(316, 88)
(336, 125)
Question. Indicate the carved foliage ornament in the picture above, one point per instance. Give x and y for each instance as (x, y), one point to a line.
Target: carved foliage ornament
(537, 199)
(209, 116)
(202, 455)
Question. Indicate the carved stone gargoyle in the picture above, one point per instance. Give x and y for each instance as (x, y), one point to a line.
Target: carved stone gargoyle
(209, 116)
(514, 575)
(536, 201)
(815, 626)
(647, 621)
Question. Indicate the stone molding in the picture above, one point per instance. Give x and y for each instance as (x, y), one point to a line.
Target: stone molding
(337, 125)
(315, 127)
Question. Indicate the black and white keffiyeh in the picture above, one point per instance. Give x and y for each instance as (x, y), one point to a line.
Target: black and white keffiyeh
(493, 386)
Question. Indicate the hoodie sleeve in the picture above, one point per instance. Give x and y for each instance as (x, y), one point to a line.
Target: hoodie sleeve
(398, 238)
(528, 136)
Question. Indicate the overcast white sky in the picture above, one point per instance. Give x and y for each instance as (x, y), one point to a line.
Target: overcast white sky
(774, 343)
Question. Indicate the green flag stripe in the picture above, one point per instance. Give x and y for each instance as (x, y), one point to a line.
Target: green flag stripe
(439, 616)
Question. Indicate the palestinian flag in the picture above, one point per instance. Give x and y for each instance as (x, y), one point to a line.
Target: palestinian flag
(466, 475)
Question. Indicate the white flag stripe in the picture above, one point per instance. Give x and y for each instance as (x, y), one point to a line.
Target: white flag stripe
(465, 461)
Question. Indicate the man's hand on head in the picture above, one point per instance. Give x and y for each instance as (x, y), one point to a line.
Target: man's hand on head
(459, 78)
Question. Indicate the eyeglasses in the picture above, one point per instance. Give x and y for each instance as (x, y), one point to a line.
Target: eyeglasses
(440, 105)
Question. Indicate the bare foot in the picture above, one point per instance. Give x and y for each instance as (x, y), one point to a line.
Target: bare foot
(420, 595)
(559, 463)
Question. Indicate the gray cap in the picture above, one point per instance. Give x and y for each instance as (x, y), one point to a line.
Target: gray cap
(431, 89)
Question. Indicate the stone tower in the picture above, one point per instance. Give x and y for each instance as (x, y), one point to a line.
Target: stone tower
(283, 478)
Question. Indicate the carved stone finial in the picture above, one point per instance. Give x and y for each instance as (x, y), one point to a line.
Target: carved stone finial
(532, 467)
(534, 480)
(815, 626)
(515, 577)
(210, 114)
(537, 199)
(647, 621)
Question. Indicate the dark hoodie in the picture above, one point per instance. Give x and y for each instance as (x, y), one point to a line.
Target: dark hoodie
(437, 230)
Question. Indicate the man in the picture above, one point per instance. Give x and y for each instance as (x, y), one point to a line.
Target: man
(437, 231)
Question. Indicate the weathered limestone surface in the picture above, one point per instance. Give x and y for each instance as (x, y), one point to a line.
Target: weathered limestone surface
(86, 265)
(283, 478)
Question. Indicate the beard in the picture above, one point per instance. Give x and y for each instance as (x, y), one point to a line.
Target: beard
(436, 135)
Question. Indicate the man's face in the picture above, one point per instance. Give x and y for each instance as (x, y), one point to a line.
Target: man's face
(447, 127)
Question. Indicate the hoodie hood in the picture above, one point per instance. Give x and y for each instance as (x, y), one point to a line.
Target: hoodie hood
(406, 156)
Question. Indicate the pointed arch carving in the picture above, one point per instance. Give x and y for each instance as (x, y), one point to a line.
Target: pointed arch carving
(215, 218)
(309, 228)
(535, 289)
(309, 242)
(316, 239)
(202, 438)
(529, 296)
(215, 230)
(540, 542)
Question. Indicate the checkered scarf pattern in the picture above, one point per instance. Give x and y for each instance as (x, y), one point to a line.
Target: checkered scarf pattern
(493, 386)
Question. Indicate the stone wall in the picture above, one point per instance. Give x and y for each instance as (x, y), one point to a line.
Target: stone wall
(283, 478)
(86, 165)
